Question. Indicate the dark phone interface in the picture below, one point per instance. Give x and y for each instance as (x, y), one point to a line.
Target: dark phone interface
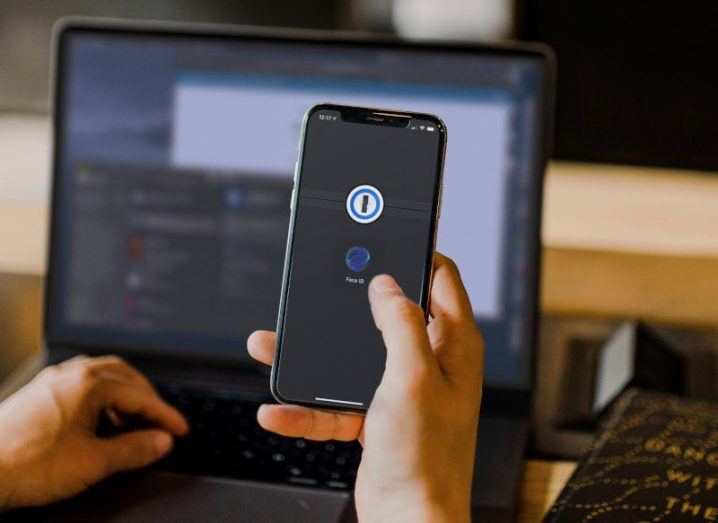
(364, 208)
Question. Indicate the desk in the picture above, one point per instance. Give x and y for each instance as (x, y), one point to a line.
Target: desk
(541, 484)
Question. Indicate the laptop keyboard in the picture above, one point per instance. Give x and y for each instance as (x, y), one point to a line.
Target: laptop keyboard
(226, 440)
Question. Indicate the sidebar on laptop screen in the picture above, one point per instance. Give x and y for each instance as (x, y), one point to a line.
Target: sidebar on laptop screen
(175, 172)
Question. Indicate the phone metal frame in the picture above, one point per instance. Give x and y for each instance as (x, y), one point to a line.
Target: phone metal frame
(428, 260)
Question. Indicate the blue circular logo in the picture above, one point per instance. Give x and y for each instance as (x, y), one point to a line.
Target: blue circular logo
(357, 258)
(365, 204)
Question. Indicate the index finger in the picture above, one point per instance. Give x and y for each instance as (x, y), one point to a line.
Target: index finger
(448, 295)
(302, 422)
(114, 365)
(261, 345)
(454, 336)
(135, 401)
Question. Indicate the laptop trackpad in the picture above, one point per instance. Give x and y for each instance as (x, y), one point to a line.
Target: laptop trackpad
(162, 496)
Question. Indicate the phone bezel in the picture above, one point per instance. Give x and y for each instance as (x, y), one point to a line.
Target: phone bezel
(429, 256)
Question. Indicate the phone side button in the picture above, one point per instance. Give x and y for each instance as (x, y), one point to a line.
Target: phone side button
(441, 194)
(291, 199)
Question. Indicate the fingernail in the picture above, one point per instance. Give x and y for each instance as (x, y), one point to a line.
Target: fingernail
(163, 442)
(385, 283)
(260, 414)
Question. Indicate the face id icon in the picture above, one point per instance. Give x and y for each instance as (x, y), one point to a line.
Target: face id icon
(357, 258)
(365, 204)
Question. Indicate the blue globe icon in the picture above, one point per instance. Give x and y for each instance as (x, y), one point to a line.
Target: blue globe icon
(357, 258)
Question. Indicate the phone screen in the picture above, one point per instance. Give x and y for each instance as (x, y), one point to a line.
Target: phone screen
(366, 205)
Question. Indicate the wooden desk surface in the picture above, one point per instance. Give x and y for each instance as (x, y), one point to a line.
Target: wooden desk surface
(541, 484)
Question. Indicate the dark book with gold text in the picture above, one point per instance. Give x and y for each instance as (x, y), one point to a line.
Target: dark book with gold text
(655, 460)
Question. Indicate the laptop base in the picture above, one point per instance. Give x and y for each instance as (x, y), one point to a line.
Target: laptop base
(158, 497)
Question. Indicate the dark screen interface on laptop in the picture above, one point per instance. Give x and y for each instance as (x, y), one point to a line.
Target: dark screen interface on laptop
(175, 171)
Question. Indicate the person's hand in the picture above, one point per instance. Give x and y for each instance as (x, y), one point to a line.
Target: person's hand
(48, 446)
(419, 433)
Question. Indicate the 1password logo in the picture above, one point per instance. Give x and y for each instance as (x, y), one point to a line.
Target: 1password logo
(365, 204)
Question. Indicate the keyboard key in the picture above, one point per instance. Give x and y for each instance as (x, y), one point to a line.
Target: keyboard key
(303, 481)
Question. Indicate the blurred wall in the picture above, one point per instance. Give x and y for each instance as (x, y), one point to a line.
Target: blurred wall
(25, 29)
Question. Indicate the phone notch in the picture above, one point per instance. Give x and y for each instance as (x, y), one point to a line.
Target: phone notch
(370, 117)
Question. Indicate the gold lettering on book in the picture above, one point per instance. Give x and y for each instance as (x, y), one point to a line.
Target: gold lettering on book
(675, 445)
(685, 507)
(692, 453)
(695, 480)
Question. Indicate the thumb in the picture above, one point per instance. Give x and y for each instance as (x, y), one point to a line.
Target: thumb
(135, 449)
(403, 327)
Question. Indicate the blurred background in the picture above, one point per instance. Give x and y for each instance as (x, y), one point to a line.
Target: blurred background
(636, 82)
(630, 227)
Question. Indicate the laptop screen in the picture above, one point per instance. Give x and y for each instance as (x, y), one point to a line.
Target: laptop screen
(174, 171)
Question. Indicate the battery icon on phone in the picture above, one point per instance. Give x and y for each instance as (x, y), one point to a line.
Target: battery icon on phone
(429, 128)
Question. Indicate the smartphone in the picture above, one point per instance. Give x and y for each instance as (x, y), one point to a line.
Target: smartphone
(366, 201)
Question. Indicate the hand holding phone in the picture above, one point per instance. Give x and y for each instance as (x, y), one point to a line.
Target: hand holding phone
(365, 202)
(419, 434)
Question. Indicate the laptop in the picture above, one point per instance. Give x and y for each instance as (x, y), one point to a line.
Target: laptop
(172, 172)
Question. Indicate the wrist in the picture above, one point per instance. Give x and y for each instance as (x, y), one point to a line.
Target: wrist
(418, 503)
(448, 506)
(7, 484)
